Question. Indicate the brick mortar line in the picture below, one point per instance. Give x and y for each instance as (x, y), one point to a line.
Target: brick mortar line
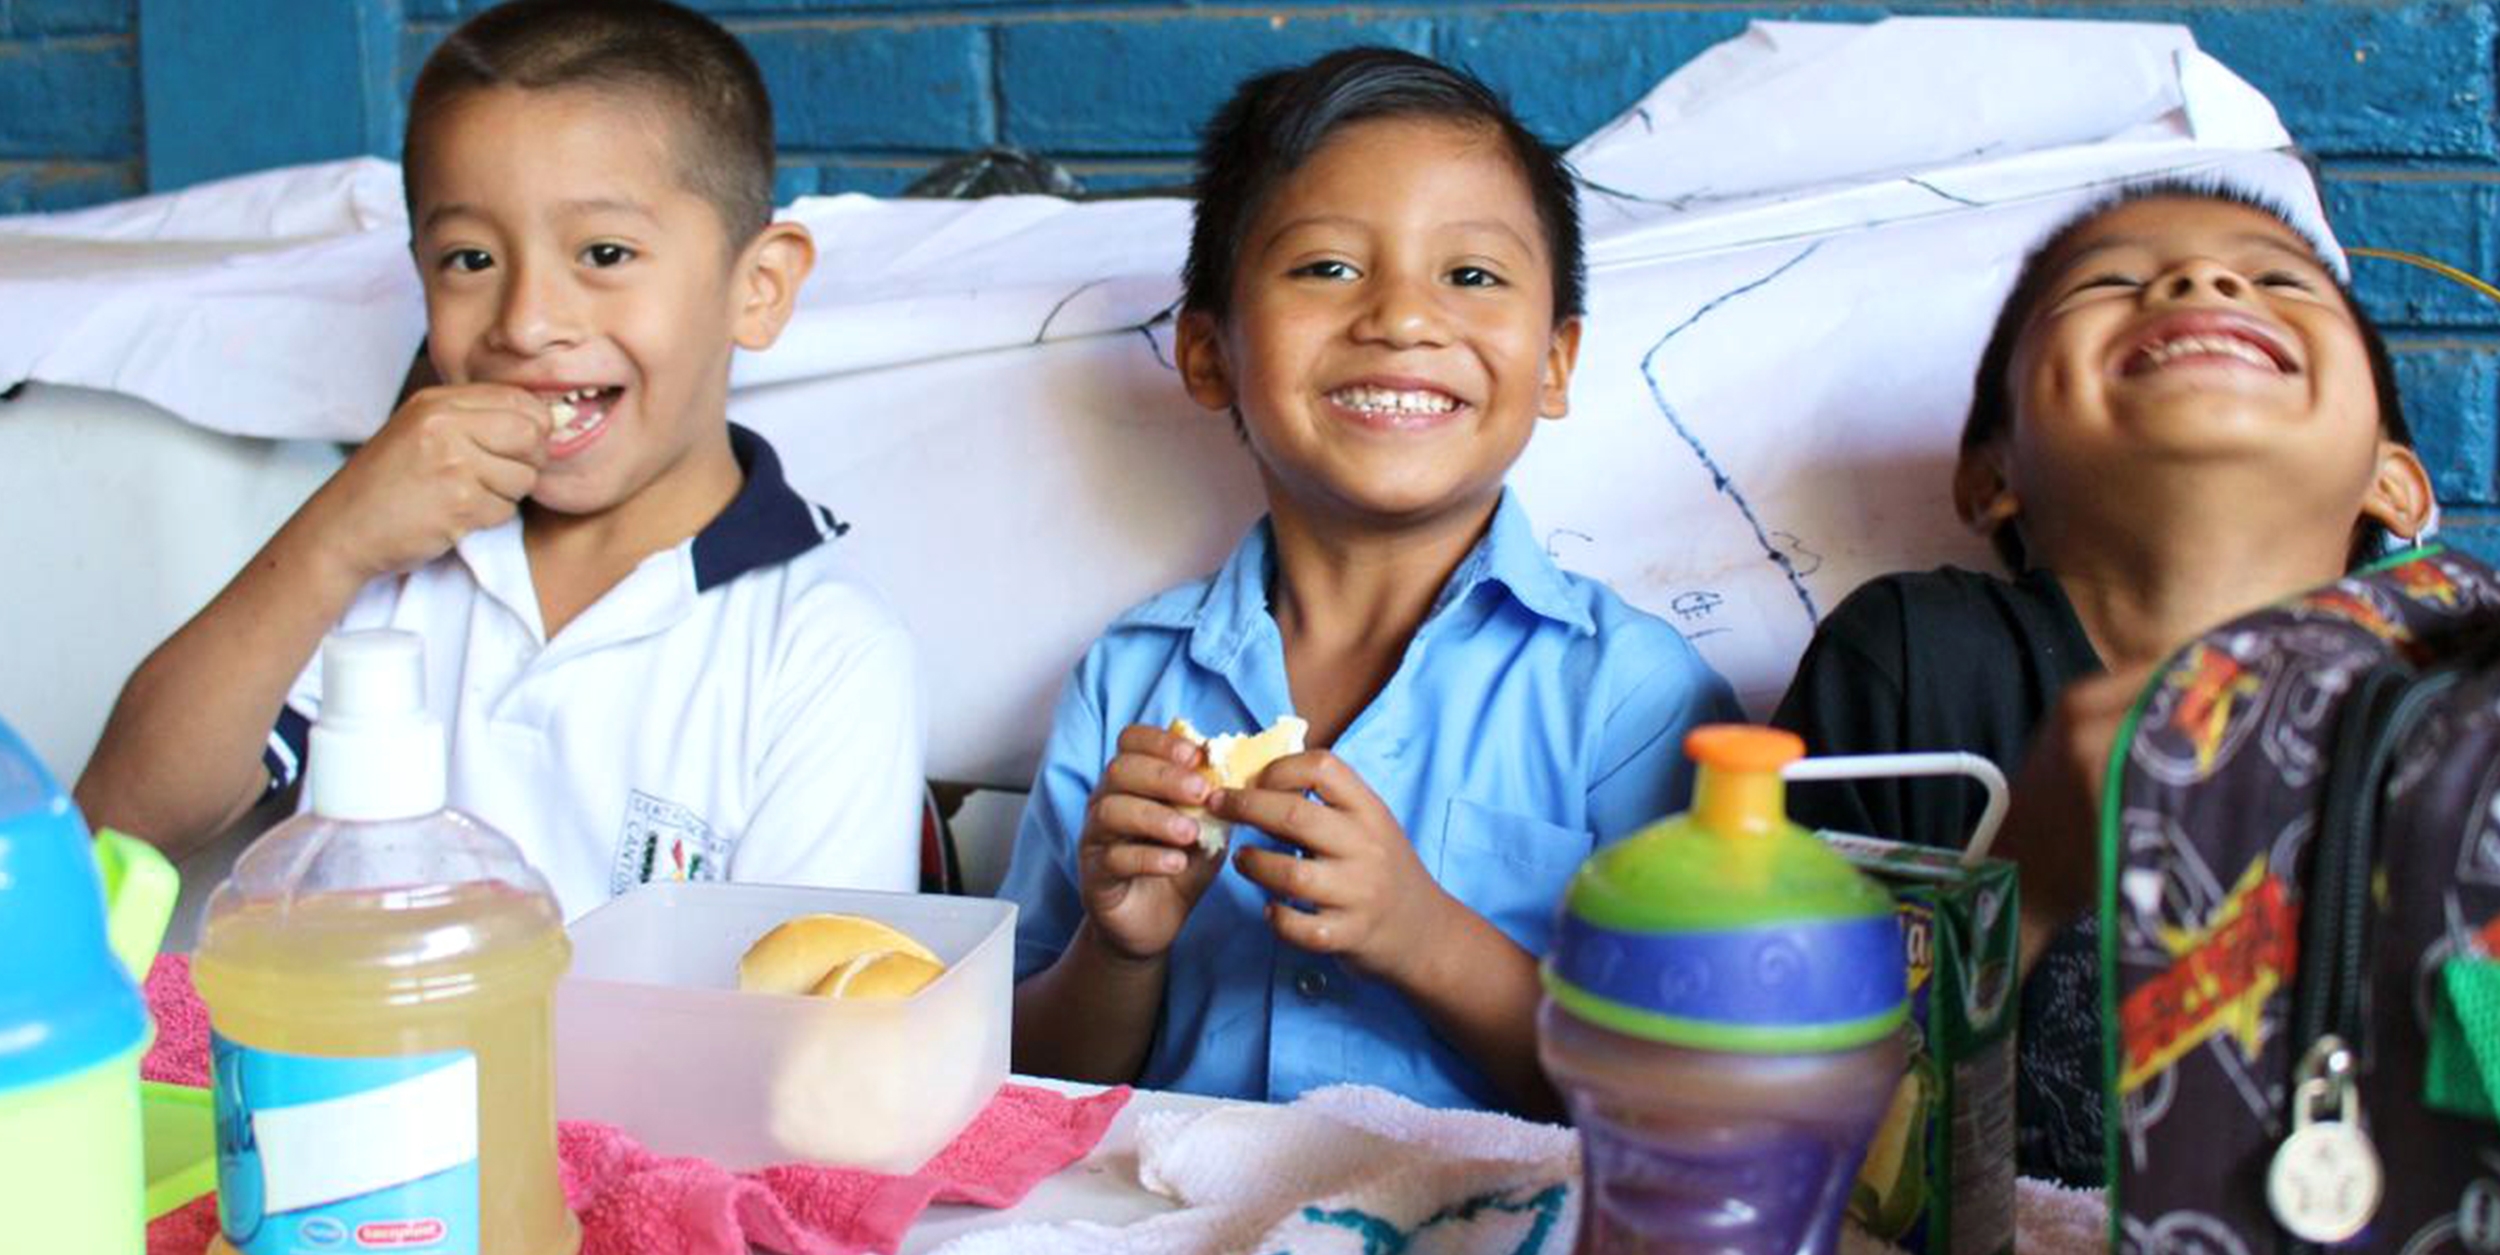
(2336, 174)
(867, 161)
(2441, 344)
(1152, 162)
(908, 20)
(1139, 167)
(1156, 164)
(89, 42)
(994, 60)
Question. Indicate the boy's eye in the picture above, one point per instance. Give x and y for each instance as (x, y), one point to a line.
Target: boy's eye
(606, 255)
(467, 260)
(1326, 269)
(2112, 280)
(2283, 279)
(1475, 277)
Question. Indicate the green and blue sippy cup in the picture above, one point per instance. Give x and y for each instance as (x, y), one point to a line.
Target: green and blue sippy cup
(72, 1025)
(1723, 1016)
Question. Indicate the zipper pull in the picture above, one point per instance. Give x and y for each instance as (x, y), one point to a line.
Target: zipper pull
(2325, 1182)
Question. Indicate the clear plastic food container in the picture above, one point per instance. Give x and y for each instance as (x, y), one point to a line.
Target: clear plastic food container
(653, 1036)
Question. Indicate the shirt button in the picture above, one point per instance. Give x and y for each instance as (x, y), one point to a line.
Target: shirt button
(1311, 983)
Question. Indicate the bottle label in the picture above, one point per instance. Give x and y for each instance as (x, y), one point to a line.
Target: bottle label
(324, 1156)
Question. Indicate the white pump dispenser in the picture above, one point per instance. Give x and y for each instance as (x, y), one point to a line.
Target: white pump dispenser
(380, 975)
(375, 754)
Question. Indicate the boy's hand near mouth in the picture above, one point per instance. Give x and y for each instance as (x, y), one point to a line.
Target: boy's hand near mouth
(451, 460)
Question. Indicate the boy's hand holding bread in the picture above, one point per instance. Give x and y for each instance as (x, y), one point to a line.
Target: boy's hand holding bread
(1233, 760)
(1150, 848)
(1134, 870)
(1357, 889)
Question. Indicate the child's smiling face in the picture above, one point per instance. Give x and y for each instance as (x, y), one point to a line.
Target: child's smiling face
(561, 252)
(1391, 339)
(2191, 329)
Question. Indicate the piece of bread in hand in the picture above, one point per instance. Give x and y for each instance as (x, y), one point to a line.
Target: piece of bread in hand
(1234, 761)
(798, 955)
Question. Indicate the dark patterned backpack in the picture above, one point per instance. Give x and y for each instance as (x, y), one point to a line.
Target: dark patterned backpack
(2301, 901)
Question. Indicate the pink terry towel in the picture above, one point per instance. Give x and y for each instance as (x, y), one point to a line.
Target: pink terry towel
(180, 1054)
(632, 1202)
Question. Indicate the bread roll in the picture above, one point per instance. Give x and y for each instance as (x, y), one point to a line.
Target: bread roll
(1234, 761)
(797, 956)
(879, 974)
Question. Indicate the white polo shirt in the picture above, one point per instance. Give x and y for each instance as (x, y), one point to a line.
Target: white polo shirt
(739, 707)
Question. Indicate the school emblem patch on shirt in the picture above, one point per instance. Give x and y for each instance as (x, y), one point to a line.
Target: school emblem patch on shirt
(665, 841)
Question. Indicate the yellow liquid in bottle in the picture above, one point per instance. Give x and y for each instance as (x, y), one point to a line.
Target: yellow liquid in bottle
(411, 972)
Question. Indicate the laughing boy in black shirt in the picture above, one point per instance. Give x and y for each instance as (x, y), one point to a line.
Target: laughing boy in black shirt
(2181, 415)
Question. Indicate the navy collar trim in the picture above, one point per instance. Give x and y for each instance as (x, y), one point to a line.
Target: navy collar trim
(766, 524)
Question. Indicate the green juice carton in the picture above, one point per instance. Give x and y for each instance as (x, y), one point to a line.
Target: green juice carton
(1939, 1176)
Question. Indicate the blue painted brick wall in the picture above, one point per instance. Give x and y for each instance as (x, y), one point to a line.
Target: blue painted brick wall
(1139, 87)
(69, 103)
(2397, 97)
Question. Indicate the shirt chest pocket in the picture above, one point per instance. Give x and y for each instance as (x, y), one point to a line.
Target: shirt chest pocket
(1507, 867)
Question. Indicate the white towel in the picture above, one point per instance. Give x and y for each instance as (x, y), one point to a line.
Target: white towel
(1355, 1169)
(1348, 1168)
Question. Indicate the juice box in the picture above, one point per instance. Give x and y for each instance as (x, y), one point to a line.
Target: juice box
(1939, 1176)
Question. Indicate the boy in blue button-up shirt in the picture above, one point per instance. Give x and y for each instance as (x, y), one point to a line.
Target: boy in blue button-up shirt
(1384, 289)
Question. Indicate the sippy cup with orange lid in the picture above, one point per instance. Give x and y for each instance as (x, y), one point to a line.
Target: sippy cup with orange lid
(1723, 1017)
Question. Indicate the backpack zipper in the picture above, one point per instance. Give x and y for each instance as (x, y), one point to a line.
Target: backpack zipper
(2335, 925)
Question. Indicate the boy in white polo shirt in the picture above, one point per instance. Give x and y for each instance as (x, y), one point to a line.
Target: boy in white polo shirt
(650, 663)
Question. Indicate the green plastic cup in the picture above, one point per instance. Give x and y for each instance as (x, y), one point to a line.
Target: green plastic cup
(79, 921)
(70, 1167)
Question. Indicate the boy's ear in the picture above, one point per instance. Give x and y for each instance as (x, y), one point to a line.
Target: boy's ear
(1553, 394)
(1982, 494)
(2400, 497)
(1198, 350)
(770, 272)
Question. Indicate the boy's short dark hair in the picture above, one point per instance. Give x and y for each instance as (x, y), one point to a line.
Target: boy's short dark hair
(721, 117)
(1992, 400)
(1275, 121)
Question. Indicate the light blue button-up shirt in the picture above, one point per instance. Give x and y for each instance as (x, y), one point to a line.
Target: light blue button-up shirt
(1534, 717)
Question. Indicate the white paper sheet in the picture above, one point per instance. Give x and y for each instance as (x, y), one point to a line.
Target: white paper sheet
(1801, 239)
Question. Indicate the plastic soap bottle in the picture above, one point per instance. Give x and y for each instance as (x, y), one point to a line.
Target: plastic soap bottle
(1723, 1016)
(380, 974)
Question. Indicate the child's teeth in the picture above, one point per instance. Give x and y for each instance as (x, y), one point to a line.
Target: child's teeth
(2220, 346)
(1384, 400)
(562, 412)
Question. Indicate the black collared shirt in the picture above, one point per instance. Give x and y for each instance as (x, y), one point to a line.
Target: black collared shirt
(1955, 660)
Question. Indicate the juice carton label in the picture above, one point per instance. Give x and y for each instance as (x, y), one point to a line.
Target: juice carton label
(326, 1156)
(1939, 1175)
